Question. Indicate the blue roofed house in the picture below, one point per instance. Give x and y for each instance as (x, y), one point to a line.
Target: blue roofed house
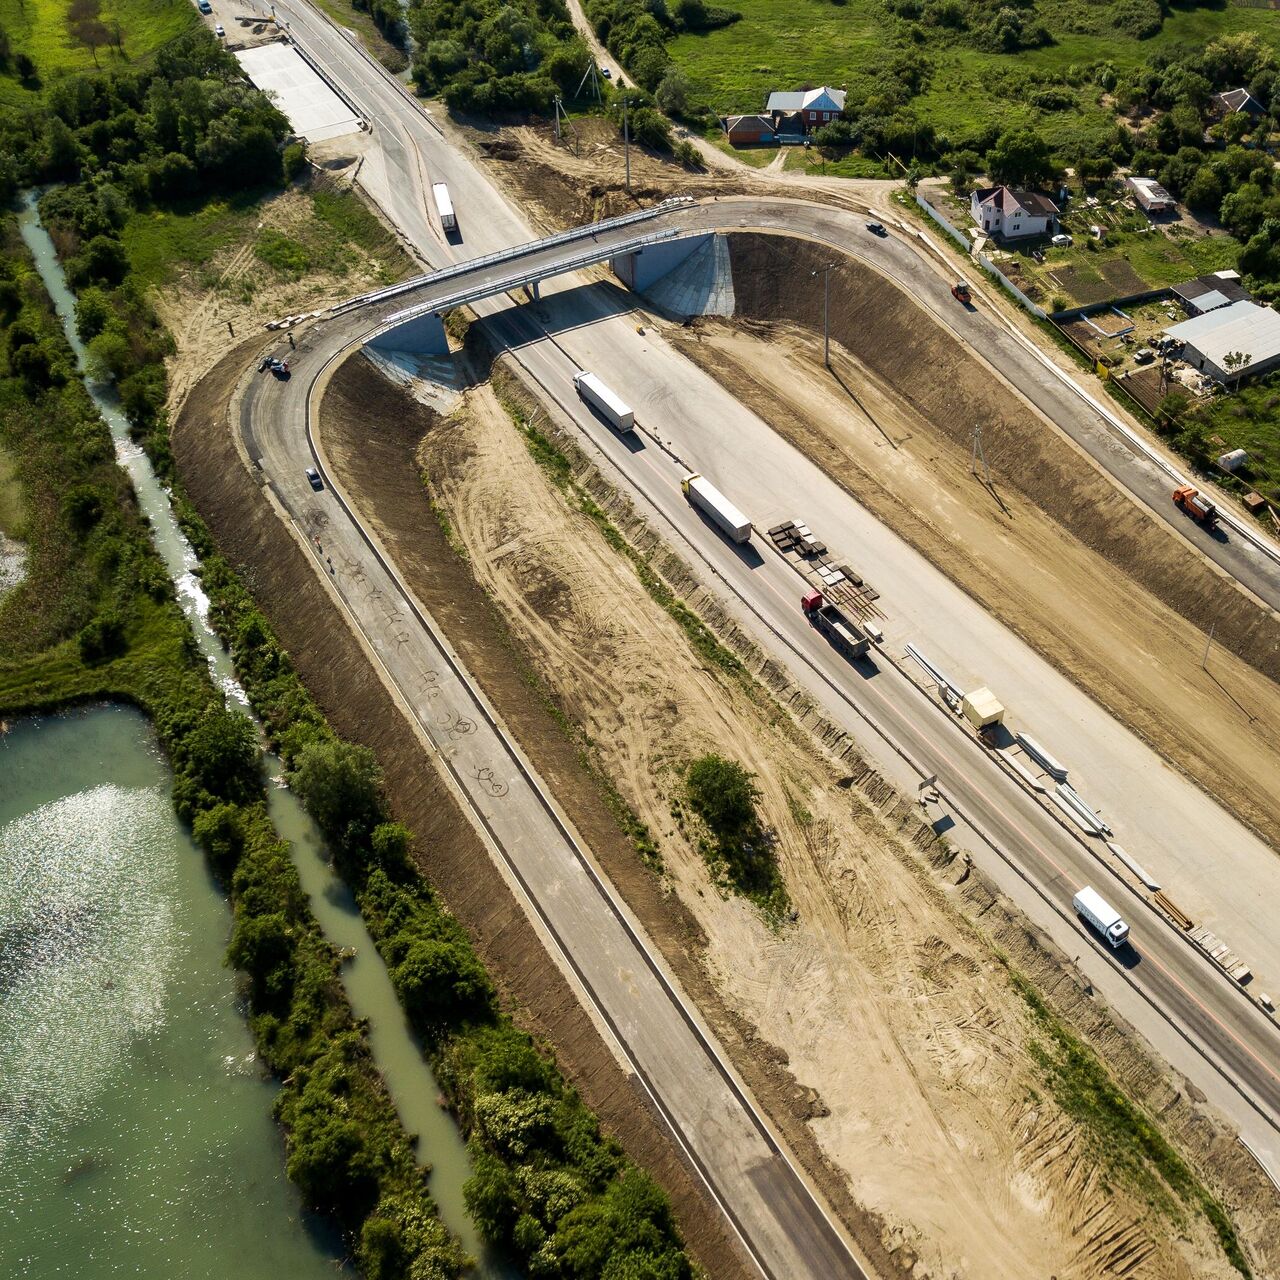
(806, 108)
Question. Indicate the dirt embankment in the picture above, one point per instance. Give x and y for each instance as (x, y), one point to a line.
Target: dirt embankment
(342, 679)
(1102, 589)
(879, 1032)
(236, 293)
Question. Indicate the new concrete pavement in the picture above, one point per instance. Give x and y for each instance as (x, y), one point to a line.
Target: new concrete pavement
(1176, 997)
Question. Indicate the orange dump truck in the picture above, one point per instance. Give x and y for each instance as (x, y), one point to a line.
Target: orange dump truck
(1200, 509)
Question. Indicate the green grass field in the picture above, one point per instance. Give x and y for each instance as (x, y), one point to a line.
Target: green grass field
(777, 46)
(39, 28)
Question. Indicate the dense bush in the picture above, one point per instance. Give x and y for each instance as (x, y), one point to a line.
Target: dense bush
(636, 31)
(495, 58)
(724, 796)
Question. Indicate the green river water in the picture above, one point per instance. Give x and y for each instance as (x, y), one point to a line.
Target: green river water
(135, 1129)
(136, 1136)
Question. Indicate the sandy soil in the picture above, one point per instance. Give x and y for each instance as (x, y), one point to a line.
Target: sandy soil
(569, 182)
(339, 675)
(909, 1044)
(208, 309)
(1035, 553)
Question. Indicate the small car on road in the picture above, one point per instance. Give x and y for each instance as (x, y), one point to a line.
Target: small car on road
(314, 476)
(877, 228)
(220, 31)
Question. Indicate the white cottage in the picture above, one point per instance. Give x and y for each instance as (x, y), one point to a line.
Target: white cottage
(1004, 212)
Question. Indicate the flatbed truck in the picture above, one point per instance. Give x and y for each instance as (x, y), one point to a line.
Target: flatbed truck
(843, 632)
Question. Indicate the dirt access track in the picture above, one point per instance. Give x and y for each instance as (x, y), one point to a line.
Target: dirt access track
(341, 677)
(1051, 551)
(880, 1031)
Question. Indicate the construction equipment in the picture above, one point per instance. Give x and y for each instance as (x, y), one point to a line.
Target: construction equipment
(845, 634)
(1200, 509)
(960, 292)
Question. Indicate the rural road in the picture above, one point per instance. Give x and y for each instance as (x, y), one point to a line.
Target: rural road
(1180, 1001)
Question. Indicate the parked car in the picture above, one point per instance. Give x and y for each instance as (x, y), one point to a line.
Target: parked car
(220, 31)
(604, 71)
(877, 228)
(314, 476)
(204, 6)
(1143, 355)
(1061, 240)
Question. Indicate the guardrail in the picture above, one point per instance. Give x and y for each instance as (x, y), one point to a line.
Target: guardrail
(515, 279)
(516, 251)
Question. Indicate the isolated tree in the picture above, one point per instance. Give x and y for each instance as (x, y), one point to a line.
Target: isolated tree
(1021, 158)
(672, 94)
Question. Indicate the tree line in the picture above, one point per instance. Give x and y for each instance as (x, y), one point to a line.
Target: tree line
(96, 618)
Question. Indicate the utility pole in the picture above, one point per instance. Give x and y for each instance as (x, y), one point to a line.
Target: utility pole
(626, 138)
(557, 117)
(979, 452)
(826, 311)
(1207, 643)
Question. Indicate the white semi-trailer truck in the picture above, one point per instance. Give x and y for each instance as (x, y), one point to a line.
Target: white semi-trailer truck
(444, 206)
(1102, 915)
(605, 402)
(706, 497)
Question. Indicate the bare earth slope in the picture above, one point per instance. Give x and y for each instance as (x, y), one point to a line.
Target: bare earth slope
(1063, 558)
(909, 1043)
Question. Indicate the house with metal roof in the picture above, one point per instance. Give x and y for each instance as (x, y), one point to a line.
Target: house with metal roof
(1239, 340)
(1234, 100)
(1150, 195)
(743, 131)
(810, 108)
(1006, 212)
(1208, 293)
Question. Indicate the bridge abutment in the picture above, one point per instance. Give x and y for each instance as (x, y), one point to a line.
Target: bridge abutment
(422, 335)
(648, 264)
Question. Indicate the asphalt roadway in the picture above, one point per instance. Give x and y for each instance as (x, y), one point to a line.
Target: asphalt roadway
(1205, 1027)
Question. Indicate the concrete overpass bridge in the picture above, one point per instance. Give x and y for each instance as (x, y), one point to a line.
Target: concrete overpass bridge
(639, 246)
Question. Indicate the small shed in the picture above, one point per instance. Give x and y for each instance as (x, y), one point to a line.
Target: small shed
(982, 709)
(746, 131)
(1208, 293)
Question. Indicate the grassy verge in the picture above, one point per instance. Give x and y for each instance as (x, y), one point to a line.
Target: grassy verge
(1125, 1140)
(358, 19)
(39, 28)
(97, 619)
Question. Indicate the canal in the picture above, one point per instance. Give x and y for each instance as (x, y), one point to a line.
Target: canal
(408, 1076)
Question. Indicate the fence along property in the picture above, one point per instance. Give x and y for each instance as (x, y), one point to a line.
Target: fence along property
(983, 261)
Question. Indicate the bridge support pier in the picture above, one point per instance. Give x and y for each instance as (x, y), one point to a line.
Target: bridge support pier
(423, 335)
(647, 265)
(535, 290)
